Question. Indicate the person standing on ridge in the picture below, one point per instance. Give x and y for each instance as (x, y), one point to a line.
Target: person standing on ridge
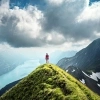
(47, 58)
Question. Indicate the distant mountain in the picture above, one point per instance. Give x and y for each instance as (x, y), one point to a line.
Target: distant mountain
(49, 82)
(7, 87)
(86, 64)
(90, 81)
(88, 59)
(10, 59)
(59, 54)
(19, 72)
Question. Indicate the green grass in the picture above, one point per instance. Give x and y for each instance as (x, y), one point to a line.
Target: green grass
(49, 82)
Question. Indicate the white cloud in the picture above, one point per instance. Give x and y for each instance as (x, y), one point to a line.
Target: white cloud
(59, 2)
(90, 13)
(23, 28)
(55, 2)
(54, 38)
(63, 19)
(64, 23)
(20, 27)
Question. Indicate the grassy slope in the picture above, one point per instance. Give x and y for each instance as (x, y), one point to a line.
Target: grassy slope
(49, 82)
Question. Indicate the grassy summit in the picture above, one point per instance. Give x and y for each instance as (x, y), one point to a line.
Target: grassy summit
(49, 82)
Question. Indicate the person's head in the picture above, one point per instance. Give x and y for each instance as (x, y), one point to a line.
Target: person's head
(46, 53)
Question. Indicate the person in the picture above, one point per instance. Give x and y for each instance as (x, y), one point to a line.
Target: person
(47, 58)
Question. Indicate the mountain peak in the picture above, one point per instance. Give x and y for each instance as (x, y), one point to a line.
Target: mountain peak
(87, 60)
(49, 82)
(95, 43)
(97, 40)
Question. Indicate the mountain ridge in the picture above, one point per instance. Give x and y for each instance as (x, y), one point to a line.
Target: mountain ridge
(49, 82)
(87, 59)
(8, 86)
(84, 78)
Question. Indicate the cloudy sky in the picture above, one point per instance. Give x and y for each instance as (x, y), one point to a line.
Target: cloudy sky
(40, 26)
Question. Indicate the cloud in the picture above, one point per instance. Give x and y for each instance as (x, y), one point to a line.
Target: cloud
(55, 2)
(20, 27)
(90, 18)
(23, 28)
(74, 19)
(59, 23)
(62, 18)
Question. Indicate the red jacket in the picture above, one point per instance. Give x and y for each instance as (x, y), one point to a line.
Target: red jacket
(47, 57)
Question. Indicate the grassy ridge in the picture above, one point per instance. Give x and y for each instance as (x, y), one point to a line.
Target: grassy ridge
(49, 82)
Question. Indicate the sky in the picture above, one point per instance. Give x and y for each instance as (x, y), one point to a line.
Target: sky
(34, 27)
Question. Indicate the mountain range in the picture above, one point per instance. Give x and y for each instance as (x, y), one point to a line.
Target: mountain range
(7, 87)
(88, 59)
(85, 65)
(9, 60)
(81, 66)
(49, 82)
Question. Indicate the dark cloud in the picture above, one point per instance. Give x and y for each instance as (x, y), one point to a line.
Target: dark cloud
(63, 18)
(22, 28)
(66, 21)
(11, 34)
(19, 27)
